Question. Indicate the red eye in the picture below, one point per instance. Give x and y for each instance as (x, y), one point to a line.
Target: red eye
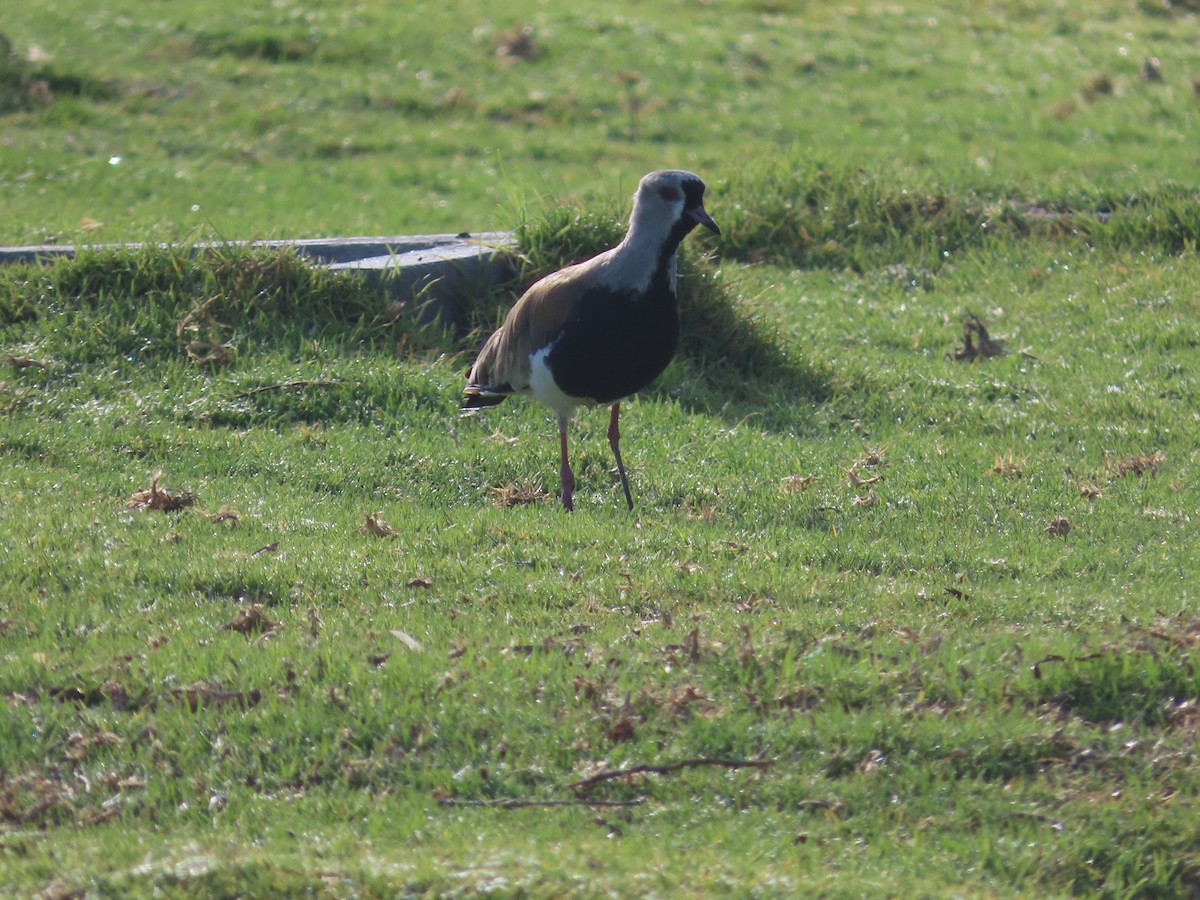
(669, 194)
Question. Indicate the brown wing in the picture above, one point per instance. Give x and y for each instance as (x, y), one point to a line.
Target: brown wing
(502, 366)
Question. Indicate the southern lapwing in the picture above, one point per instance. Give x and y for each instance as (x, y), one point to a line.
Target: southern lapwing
(601, 330)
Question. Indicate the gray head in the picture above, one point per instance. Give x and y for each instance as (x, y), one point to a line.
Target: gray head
(670, 201)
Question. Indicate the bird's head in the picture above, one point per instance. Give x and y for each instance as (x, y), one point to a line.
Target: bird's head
(671, 201)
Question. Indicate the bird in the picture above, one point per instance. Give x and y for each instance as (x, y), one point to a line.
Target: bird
(600, 330)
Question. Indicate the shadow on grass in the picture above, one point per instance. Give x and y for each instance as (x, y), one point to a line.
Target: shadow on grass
(729, 356)
(26, 86)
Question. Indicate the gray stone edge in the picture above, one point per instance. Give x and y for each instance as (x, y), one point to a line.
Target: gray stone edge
(439, 269)
(326, 250)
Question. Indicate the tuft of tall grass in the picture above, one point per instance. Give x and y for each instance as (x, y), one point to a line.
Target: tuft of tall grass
(153, 301)
(817, 213)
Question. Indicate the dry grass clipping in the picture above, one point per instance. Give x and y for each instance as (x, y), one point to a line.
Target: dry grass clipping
(855, 479)
(209, 353)
(796, 484)
(1134, 465)
(156, 497)
(251, 619)
(986, 348)
(377, 527)
(873, 457)
(208, 350)
(518, 493)
(1008, 466)
(518, 45)
(224, 516)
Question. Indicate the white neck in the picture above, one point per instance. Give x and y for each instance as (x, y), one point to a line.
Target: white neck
(632, 262)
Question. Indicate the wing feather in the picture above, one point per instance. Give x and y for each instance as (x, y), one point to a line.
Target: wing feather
(502, 366)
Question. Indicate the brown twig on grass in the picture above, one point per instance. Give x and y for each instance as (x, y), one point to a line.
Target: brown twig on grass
(585, 784)
(22, 362)
(284, 385)
(522, 804)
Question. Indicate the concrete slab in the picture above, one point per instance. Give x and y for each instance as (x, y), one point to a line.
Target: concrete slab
(439, 269)
(440, 274)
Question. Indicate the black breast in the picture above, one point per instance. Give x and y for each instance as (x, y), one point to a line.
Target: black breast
(616, 342)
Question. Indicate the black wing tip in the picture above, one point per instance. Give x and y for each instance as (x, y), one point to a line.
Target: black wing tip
(476, 400)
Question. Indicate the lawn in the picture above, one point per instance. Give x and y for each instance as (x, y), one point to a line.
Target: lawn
(892, 616)
(244, 120)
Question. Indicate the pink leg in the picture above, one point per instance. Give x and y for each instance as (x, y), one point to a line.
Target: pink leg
(614, 440)
(565, 473)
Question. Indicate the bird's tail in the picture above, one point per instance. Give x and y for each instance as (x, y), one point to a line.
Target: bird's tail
(476, 397)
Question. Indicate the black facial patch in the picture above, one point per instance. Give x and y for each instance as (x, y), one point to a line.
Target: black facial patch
(693, 193)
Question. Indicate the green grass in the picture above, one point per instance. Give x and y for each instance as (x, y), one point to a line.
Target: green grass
(243, 120)
(948, 696)
(847, 565)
